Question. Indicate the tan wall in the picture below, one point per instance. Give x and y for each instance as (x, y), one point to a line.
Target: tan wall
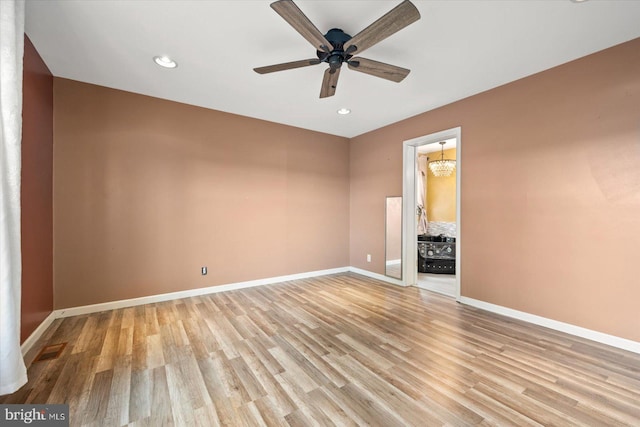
(147, 191)
(36, 192)
(441, 192)
(376, 172)
(550, 191)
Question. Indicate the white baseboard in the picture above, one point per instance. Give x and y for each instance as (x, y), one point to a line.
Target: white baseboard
(394, 262)
(94, 308)
(377, 276)
(35, 335)
(568, 328)
(600, 337)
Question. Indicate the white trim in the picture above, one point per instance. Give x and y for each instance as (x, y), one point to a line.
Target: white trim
(94, 308)
(394, 261)
(600, 337)
(568, 328)
(377, 276)
(409, 226)
(35, 335)
(458, 213)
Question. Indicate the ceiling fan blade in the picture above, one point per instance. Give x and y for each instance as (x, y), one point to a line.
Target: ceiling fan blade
(378, 69)
(390, 23)
(286, 66)
(329, 83)
(298, 20)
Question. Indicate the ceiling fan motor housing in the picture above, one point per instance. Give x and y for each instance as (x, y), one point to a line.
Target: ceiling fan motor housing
(337, 56)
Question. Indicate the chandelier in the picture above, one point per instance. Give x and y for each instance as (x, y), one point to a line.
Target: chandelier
(442, 167)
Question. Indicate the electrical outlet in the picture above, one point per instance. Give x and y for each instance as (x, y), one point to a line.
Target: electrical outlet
(368, 257)
(204, 271)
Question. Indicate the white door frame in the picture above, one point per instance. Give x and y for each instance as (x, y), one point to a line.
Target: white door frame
(409, 224)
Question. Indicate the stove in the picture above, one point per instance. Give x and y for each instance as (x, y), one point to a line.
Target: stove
(436, 254)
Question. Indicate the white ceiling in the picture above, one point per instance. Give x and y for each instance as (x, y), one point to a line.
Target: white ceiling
(457, 49)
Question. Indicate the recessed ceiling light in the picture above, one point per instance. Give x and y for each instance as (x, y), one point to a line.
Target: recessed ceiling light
(578, 1)
(343, 111)
(165, 61)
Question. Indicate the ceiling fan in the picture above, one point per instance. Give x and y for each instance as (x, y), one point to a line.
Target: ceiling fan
(337, 47)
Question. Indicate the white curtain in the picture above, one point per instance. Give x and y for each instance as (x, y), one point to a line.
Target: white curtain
(13, 373)
(421, 183)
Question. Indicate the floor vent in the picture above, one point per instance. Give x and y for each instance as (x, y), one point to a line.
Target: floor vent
(50, 352)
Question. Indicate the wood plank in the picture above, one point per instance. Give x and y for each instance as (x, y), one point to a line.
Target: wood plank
(139, 395)
(96, 408)
(161, 405)
(340, 349)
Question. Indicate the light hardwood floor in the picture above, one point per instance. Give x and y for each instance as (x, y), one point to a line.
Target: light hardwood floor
(334, 350)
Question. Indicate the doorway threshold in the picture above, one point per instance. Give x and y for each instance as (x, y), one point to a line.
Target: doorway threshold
(444, 284)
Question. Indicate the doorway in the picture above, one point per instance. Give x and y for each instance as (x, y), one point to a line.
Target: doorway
(434, 282)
